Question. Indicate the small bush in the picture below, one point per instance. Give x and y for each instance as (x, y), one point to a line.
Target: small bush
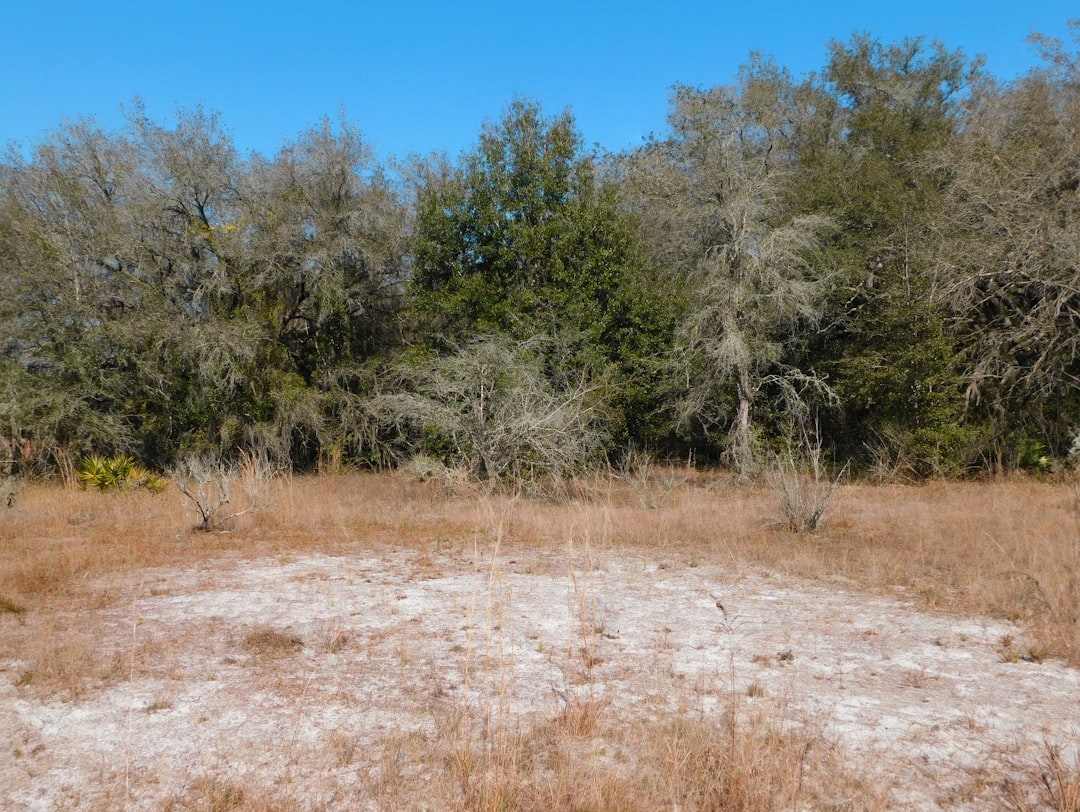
(491, 408)
(269, 642)
(208, 485)
(1073, 457)
(424, 468)
(116, 473)
(1034, 457)
(652, 487)
(802, 484)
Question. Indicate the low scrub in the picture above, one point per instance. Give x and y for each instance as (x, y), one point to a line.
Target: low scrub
(213, 488)
(490, 408)
(120, 473)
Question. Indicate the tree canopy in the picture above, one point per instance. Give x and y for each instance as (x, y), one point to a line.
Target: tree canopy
(891, 244)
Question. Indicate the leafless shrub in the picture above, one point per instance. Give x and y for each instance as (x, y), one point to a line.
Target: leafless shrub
(802, 484)
(497, 413)
(210, 486)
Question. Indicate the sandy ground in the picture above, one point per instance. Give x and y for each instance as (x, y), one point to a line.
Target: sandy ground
(925, 706)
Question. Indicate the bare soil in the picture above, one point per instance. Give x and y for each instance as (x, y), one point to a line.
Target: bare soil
(296, 672)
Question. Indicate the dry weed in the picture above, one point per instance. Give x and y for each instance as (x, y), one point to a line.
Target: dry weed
(266, 641)
(216, 795)
(66, 663)
(10, 607)
(578, 761)
(1052, 784)
(938, 541)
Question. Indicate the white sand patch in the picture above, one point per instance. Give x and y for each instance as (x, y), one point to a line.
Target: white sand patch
(920, 702)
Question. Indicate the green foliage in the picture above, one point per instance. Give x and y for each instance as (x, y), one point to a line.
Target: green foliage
(121, 473)
(1034, 457)
(162, 296)
(898, 378)
(521, 238)
(898, 233)
(500, 234)
(885, 345)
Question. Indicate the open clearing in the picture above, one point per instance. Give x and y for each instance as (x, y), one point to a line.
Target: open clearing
(389, 676)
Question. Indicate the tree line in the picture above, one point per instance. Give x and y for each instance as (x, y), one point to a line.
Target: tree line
(881, 258)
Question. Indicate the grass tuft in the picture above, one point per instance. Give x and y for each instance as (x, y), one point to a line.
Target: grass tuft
(266, 641)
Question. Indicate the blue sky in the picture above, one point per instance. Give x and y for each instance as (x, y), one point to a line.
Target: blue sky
(420, 76)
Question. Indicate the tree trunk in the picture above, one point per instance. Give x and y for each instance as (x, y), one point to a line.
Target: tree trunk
(742, 451)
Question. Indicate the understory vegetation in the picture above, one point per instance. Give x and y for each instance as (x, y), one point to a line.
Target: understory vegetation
(885, 248)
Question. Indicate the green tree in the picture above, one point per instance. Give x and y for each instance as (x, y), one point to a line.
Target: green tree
(321, 235)
(321, 242)
(163, 297)
(885, 343)
(522, 238)
(66, 300)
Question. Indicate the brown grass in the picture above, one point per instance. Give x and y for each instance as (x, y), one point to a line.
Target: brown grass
(1002, 549)
(269, 642)
(1007, 549)
(215, 795)
(740, 762)
(1053, 785)
(56, 540)
(67, 663)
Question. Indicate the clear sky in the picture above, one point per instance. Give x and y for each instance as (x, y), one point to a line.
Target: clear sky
(419, 76)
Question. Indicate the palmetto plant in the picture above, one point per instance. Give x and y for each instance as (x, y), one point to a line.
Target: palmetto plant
(121, 472)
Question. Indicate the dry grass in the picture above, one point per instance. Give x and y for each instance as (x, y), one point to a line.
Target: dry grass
(57, 539)
(66, 662)
(741, 763)
(1005, 549)
(269, 642)
(215, 795)
(1053, 785)
(1002, 549)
